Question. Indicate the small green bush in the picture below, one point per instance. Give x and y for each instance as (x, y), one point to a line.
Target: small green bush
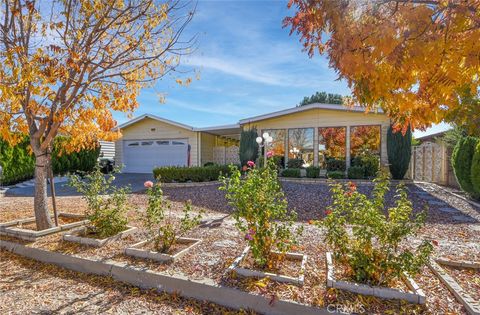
(209, 164)
(462, 157)
(313, 172)
(336, 165)
(336, 174)
(295, 163)
(194, 174)
(356, 172)
(369, 162)
(475, 171)
(399, 150)
(248, 149)
(290, 172)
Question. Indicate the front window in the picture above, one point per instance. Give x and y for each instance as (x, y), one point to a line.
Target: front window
(300, 145)
(277, 146)
(332, 143)
(364, 140)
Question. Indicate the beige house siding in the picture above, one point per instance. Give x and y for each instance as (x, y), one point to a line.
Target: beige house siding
(315, 118)
(207, 145)
(153, 129)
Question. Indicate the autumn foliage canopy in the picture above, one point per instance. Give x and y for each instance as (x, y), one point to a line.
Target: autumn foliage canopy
(418, 60)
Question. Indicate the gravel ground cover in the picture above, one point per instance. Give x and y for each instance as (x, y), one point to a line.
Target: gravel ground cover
(457, 238)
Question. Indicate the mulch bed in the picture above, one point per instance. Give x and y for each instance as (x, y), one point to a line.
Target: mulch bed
(220, 246)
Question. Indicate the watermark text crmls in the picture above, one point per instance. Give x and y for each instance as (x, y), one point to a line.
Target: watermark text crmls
(346, 309)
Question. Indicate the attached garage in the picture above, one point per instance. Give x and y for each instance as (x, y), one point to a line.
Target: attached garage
(141, 156)
(149, 141)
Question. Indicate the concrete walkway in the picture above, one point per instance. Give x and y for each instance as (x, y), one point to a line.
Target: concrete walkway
(134, 180)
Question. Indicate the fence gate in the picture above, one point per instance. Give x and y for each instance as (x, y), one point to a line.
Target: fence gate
(429, 163)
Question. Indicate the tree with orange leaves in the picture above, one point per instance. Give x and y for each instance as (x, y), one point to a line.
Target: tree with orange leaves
(419, 60)
(65, 65)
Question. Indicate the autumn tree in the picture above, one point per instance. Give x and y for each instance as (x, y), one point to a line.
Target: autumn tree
(65, 65)
(416, 59)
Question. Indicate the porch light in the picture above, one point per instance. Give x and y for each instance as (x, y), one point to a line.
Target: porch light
(265, 135)
(265, 139)
(259, 140)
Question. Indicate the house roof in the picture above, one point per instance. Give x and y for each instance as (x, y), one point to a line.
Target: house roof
(154, 117)
(432, 136)
(305, 108)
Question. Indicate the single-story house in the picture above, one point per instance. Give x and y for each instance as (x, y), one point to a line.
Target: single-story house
(312, 132)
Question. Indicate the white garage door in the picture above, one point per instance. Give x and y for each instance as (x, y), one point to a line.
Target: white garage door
(142, 156)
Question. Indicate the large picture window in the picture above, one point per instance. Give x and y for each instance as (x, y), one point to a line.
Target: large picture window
(365, 140)
(331, 144)
(300, 145)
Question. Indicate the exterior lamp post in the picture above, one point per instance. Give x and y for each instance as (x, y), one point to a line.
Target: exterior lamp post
(263, 141)
(294, 151)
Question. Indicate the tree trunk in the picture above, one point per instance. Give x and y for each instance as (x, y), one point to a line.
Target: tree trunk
(42, 216)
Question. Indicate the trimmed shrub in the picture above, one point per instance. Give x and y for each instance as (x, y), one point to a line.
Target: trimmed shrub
(399, 149)
(172, 174)
(462, 157)
(369, 162)
(248, 150)
(295, 163)
(209, 164)
(313, 172)
(18, 162)
(356, 172)
(290, 172)
(336, 165)
(475, 171)
(336, 174)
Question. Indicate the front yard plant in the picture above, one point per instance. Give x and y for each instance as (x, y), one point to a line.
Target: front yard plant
(162, 230)
(174, 174)
(260, 211)
(368, 243)
(107, 205)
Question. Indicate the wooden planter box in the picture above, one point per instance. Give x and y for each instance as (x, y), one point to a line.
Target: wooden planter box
(78, 236)
(136, 251)
(10, 229)
(417, 297)
(275, 277)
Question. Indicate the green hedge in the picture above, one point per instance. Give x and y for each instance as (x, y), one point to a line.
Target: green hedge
(356, 172)
(290, 172)
(475, 171)
(369, 162)
(172, 174)
(313, 172)
(295, 163)
(462, 157)
(336, 174)
(18, 162)
(336, 165)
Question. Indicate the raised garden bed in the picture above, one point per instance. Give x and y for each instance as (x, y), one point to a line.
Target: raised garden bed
(143, 250)
(471, 305)
(240, 268)
(82, 236)
(416, 296)
(26, 229)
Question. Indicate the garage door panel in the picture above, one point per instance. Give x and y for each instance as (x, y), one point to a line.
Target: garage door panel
(143, 155)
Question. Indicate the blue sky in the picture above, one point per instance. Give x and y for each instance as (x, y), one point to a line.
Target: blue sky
(247, 63)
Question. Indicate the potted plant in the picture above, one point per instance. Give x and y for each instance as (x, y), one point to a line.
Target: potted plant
(166, 241)
(369, 245)
(260, 211)
(107, 207)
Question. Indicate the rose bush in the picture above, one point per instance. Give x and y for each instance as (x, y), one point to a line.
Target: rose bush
(260, 211)
(370, 244)
(163, 230)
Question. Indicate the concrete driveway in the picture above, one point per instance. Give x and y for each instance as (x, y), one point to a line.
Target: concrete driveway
(134, 180)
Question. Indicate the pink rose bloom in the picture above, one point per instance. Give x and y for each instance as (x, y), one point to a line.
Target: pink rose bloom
(148, 184)
(269, 154)
(251, 164)
(248, 237)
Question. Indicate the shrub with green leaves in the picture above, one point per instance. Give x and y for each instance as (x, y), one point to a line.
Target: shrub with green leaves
(162, 229)
(462, 157)
(248, 149)
(399, 149)
(107, 205)
(336, 165)
(356, 172)
(336, 174)
(177, 174)
(295, 163)
(475, 171)
(313, 172)
(369, 162)
(370, 244)
(260, 211)
(291, 172)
